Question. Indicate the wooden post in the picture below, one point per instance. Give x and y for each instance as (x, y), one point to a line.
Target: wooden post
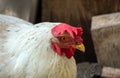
(106, 37)
(25, 9)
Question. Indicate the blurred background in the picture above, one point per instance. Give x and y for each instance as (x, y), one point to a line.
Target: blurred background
(75, 12)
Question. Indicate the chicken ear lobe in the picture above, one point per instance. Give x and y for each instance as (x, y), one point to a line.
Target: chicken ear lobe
(56, 48)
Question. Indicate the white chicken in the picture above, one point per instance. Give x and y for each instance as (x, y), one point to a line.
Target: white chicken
(44, 50)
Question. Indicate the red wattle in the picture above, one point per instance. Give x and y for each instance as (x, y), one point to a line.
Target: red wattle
(68, 52)
(56, 48)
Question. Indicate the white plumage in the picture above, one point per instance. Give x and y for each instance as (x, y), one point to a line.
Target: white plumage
(26, 51)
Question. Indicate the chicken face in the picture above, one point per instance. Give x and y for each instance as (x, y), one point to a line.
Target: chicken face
(66, 39)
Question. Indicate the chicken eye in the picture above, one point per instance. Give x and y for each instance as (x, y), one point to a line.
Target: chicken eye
(76, 42)
(63, 38)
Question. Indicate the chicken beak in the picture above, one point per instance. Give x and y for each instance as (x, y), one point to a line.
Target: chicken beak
(80, 47)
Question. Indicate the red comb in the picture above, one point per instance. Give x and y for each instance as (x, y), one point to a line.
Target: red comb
(61, 28)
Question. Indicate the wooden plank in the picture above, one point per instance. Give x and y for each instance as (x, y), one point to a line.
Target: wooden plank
(106, 37)
(24, 9)
(109, 72)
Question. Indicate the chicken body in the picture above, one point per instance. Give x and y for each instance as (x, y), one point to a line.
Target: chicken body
(36, 59)
(27, 52)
